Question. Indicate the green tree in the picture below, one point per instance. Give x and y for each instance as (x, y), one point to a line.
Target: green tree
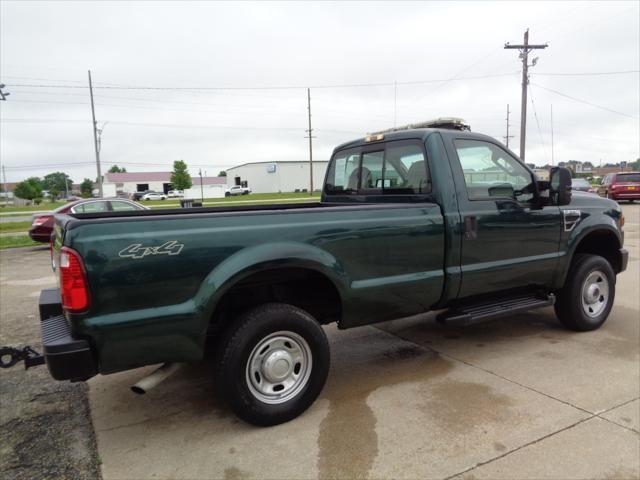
(86, 187)
(180, 178)
(57, 183)
(222, 173)
(117, 169)
(29, 189)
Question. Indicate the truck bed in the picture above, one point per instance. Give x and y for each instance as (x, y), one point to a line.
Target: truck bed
(169, 268)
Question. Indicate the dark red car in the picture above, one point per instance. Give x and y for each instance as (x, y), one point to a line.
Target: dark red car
(621, 186)
(42, 224)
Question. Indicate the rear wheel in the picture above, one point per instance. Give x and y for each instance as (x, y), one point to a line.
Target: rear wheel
(585, 301)
(272, 363)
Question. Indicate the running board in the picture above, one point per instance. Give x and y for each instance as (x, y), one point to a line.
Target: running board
(477, 312)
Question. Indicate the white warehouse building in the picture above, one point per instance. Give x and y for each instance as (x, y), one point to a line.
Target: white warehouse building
(127, 183)
(280, 176)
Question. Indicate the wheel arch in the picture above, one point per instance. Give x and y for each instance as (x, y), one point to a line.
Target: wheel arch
(602, 240)
(286, 272)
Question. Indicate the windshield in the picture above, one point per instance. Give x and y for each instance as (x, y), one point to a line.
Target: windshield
(628, 177)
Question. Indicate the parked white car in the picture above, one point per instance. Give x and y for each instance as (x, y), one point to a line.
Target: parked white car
(175, 194)
(237, 190)
(154, 196)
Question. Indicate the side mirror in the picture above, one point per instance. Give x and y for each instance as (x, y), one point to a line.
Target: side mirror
(560, 181)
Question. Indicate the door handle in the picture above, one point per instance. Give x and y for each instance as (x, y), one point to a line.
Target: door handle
(470, 228)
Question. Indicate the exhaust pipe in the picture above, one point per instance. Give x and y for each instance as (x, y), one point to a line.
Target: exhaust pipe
(153, 379)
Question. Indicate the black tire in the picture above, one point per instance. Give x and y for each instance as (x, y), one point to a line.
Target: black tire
(569, 304)
(240, 342)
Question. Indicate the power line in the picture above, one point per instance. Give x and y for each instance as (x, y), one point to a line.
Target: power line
(586, 74)
(166, 125)
(274, 87)
(535, 114)
(457, 75)
(585, 102)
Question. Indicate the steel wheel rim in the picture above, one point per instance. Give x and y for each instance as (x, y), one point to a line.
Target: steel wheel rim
(595, 293)
(279, 367)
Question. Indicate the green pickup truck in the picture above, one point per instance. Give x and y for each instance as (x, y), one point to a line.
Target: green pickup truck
(410, 221)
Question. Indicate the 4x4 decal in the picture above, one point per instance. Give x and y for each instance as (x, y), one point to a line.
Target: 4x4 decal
(136, 250)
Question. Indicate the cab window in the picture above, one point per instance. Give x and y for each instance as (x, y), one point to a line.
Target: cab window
(490, 171)
(343, 173)
(395, 168)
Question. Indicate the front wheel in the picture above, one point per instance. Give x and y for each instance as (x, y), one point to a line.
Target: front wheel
(272, 363)
(585, 301)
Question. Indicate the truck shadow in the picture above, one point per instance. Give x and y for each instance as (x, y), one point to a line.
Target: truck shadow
(400, 357)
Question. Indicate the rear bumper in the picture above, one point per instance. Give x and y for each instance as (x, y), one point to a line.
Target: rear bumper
(625, 195)
(67, 358)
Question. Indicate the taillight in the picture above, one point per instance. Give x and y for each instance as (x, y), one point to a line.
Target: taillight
(73, 281)
(614, 186)
(39, 221)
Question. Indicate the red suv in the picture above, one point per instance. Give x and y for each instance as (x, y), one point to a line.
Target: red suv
(621, 186)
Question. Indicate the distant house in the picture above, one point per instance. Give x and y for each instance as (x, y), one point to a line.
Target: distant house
(127, 183)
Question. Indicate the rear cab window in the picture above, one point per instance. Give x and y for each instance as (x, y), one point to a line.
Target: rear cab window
(396, 167)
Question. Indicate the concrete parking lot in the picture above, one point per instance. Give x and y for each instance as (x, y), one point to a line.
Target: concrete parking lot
(518, 397)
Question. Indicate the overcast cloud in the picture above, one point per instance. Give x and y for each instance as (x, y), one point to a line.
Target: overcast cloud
(206, 45)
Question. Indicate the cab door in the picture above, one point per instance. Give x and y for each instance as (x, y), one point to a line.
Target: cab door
(508, 240)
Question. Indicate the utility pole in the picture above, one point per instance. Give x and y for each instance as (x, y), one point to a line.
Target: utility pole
(507, 136)
(100, 130)
(4, 186)
(201, 190)
(95, 137)
(525, 48)
(552, 161)
(310, 137)
(395, 102)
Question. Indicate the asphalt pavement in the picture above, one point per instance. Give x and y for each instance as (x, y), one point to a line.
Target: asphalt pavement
(518, 397)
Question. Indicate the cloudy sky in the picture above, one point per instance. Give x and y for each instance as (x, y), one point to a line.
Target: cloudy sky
(221, 84)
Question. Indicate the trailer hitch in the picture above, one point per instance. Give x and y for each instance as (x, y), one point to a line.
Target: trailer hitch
(9, 356)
